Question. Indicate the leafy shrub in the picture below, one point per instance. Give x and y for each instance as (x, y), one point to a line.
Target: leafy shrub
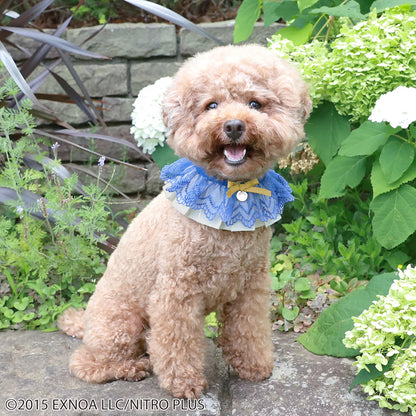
(348, 75)
(307, 18)
(324, 250)
(49, 235)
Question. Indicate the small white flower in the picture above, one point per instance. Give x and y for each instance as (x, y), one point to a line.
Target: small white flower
(148, 128)
(101, 161)
(397, 107)
(19, 210)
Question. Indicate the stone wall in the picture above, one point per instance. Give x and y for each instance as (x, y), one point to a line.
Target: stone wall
(139, 55)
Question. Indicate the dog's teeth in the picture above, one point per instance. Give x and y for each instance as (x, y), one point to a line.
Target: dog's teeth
(235, 158)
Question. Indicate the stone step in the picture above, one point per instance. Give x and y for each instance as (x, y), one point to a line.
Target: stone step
(34, 379)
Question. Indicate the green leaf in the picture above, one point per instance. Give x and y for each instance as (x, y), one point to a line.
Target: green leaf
(394, 216)
(381, 5)
(326, 334)
(299, 36)
(305, 4)
(395, 158)
(273, 11)
(350, 9)
(341, 172)
(365, 376)
(302, 284)
(290, 314)
(22, 304)
(163, 155)
(326, 130)
(366, 139)
(247, 15)
(380, 184)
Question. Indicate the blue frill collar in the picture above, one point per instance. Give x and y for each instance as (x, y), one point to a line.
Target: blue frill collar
(204, 198)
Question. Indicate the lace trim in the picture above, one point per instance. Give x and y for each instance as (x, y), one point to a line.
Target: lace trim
(204, 198)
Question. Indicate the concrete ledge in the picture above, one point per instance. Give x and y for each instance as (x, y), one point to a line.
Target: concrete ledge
(34, 372)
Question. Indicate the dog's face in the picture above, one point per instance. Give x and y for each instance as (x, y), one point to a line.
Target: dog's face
(235, 110)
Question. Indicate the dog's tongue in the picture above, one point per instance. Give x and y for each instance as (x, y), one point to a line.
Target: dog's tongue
(234, 153)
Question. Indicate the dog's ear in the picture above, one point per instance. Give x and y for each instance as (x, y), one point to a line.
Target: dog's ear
(172, 110)
(306, 103)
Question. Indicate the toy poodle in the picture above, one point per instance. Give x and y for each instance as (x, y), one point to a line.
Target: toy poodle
(202, 245)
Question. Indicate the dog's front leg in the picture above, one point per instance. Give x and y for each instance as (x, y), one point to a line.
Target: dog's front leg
(176, 344)
(246, 335)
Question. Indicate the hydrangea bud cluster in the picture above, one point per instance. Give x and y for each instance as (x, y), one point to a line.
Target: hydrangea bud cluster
(387, 331)
(147, 124)
(363, 62)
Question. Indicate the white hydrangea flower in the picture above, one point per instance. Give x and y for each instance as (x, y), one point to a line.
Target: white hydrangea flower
(393, 336)
(397, 107)
(148, 128)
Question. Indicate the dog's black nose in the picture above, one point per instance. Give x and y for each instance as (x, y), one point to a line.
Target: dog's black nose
(234, 129)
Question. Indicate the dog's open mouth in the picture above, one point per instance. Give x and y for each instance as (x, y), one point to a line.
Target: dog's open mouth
(235, 154)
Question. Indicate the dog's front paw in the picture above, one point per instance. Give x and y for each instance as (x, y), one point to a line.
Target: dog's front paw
(254, 371)
(254, 374)
(186, 388)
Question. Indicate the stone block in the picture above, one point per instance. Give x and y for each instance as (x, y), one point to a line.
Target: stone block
(30, 45)
(145, 73)
(99, 79)
(68, 153)
(192, 43)
(117, 109)
(70, 113)
(125, 179)
(153, 182)
(128, 40)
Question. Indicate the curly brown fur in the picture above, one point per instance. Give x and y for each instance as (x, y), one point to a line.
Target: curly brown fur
(169, 271)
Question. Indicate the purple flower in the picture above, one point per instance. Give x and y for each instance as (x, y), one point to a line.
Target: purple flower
(101, 161)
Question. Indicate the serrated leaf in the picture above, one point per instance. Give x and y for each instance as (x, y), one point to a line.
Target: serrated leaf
(394, 216)
(273, 11)
(325, 336)
(381, 5)
(341, 172)
(350, 9)
(395, 158)
(305, 4)
(366, 139)
(326, 130)
(247, 15)
(380, 184)
(299, 36)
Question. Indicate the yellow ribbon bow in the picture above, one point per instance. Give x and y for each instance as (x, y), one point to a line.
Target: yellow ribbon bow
(249, 186)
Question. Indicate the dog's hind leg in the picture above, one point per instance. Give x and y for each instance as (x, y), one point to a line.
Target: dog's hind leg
(114, 345)
(71, 322)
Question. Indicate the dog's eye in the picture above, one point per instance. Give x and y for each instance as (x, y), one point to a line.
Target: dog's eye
(211, 106)
(255, 104)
